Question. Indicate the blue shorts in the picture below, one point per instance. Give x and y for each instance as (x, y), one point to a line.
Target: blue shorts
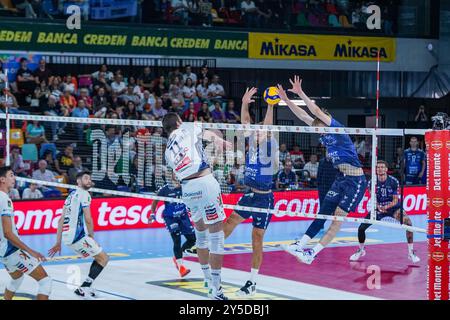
(345, 193)
(410, 180)
(390, 213)
(181, 225)
(257, 200)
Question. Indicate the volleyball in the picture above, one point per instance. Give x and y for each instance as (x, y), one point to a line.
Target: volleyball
(271, 95)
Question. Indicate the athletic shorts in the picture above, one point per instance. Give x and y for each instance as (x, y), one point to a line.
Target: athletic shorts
(345, 193)
(257, 200)
(86, 247)
(20, 261)
(203, 197)
(180, 224)
(390, 213)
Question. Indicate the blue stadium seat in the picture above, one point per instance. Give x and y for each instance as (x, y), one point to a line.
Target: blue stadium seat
(112, 9)
(47, 6)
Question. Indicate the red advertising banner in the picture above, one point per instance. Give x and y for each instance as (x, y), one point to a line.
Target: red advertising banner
(37, 217)
(438, 147)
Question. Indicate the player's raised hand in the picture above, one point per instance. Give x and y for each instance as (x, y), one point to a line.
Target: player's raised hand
(296, 85)
(37, 255)
(247, 98)
(281, 93)
(56, 249)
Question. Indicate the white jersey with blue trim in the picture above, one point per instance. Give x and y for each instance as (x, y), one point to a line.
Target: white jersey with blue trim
(74, 227)
(184, 152)
(6, 209)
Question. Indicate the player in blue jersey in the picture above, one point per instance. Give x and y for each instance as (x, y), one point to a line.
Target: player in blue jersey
(414, 162)
(261, 162)
(350, 184)
(176, 219)
(388, 205)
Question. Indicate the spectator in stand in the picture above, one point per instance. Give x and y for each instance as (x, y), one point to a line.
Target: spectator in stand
(131, 112)
(147, 98)
(236, 178)
(158, 111)
(191, 75)
(130, 96)
(264, 13)
(189, 92)
(25, 79)
(146, 79)
(421, 118)
(25, 5)
(118, 85)
(80, 112)
(414, 162)
(14, 194)
(217, 114)
(68, 84)
(231, 115)
(88, 102)
(8, 100)
(42, 73)
(102, 82)
(215, 90)
(52, 108)
(35, 133)
(77, 167)
(202, 90)
(297, 157)
(137, 89)
(398, 162)
(204, 115)
(180, 10)
(101, 104)
(166, 101)
(16, 160)
(67, 102)
(357, 19)
(55, 88)
(204, 73)
(64, 161)
(2, 77)
(177, 107)
(250, 13)
(286, 178)
(111, 136)
(162, 86)
(41, 94)
(107, 75)
(147, 112)
(176, 89)
(175, 73)
(32, 192)
(312, 167)
(283, 153)
(190, 115)
(49, 157)
(42, 174)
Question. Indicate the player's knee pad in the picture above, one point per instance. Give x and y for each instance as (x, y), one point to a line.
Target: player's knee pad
(216, 242)
(201, 239)
(14, 284)
(45, 286)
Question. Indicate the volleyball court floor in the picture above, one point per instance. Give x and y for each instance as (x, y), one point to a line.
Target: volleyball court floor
(141, 266)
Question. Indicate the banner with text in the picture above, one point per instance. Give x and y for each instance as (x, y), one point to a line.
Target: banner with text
(320, 47)
(41, 216)
(121, 40)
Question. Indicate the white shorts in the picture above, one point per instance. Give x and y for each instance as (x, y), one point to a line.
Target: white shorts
(203, 197)
(20, 261)
(86, 247)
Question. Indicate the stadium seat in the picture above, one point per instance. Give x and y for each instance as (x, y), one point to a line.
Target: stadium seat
(29, 152)
(333, 21)
(313, 20)
(16, 137)
(9, 5)
(45, 147)
(47, 6)
(302, 21)
(216, 18)
(62, 179)
(343, 20)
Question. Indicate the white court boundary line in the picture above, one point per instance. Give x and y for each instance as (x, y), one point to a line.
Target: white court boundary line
(228, 206)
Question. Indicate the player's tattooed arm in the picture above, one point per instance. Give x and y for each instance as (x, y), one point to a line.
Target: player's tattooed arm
(299, 112)
(14, 239)
(313, 108)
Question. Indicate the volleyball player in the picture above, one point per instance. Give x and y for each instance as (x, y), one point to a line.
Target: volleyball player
(388, 205)
(350, 184)
(76, 230)
(260, 167)
(176, 219)
(200, 192)
(17, 257)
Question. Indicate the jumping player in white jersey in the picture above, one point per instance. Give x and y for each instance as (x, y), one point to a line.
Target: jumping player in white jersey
(350, 183)
(76, 230)
(18, 258)
(200, 192)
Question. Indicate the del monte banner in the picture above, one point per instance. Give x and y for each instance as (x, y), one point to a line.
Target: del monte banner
(148, 40)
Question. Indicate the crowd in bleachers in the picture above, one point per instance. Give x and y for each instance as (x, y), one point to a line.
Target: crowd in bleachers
(283, 14)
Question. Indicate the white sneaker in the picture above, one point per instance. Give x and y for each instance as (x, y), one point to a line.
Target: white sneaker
(249, 289)
(217, 294)
(306, 256)
(412, 256)
(83, 292)
(358, 254)
(292, 248)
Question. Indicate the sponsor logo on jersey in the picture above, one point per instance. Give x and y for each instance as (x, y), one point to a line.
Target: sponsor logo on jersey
(87, 244)
(193, 195)
(183, 165)
(436, 144)
(438, 256)
(437, 202)
(211, 212)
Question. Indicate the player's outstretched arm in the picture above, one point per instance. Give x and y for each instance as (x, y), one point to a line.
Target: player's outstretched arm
(14, 239)
(246, 100)
(298, 111)
(57, 247)
(313, 108)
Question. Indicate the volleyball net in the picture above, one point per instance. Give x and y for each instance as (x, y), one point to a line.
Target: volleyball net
(126, 159)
